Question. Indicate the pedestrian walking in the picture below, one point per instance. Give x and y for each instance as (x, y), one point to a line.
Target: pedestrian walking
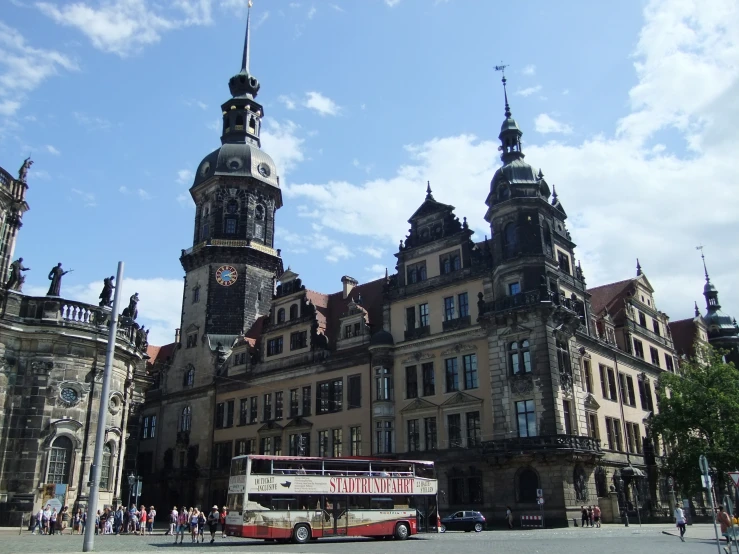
(83, 523)
(583, 516)
(201, 526)
(182, 521)
(52, 521)
(224, 513)
(590, 516)
(46, 517)
(680, 522)
(726, 531)
(64, 519)
(150, 519)
(173, 516)
(213, 518)
(194, 516)
(142, 520)
(596, 515)
(76, 521)
(509, 517)
(38, 523)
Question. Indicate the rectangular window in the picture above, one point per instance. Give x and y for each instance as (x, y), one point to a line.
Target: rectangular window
(337, 445)
(416, 273)
(265, 446)
(229, 413)
(526, 416)
(153, 427)
(655, 326)
(299, 444)
(612, 384)
(222, 455)
(567, 416)
(452, 374)
(244, 447)
(347, 331)
(423, 315)
(192, 340)
(464, 305)
(383, 383)
(411, 382)
(564, 262)
(638, 349)
(355, 436)
(613, 429)
(145, 428)
(330, 396)
(230, 226)
(429, 431)
(630, 446)
(414, 439)
(593, 426)
(220, 411)
(306, 401)
(253, 409)
(267, 407)
(588, 378)
(277, 446)
(669, 364)
(274, 346)
(195, 295)
(514, 289)
(298, 340)
(323, 445)
(642, 319)
(278, 405)
(655, 355)
(449, 262)
(294, 403)
(410, 318)
(323, 397)
(429, 388)
(384, 431)
(354, 384)
(357, 329)
(474, 434)
(630, 391)
(454, 430)
(469, 365)
(448, 308)
(622, 387)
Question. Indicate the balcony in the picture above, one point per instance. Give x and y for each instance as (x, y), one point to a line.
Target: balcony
(651, 335)
(418, 332)
(521, 300)
(230, 244)
(544, 443)
(457, 323)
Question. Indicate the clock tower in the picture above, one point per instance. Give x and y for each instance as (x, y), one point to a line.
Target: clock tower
(231, 266)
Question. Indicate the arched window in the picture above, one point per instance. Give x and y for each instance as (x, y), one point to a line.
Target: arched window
(186, 419)
(60, 458)
(528, 482)
(188, 379)
(509, 239)
(294, 311)
(105, 467)
(281, 315)
(520, 357)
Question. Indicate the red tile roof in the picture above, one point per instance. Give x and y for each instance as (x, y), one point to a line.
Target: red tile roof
(611, 296)
(338, 306)
(160, 354)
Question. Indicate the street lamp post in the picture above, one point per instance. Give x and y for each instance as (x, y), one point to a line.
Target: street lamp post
(131, 483)
(625, 510)
(89, 540)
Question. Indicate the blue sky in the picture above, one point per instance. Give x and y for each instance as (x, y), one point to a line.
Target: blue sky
(629, 108)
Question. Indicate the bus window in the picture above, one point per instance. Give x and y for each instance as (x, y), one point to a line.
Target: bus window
(424, 471)
(257, 502)
(261, 467)
(310, 468)
(235, 502)
(284, 503)
(401, 502)
(381, 503)
(238, 466)
(359, 502)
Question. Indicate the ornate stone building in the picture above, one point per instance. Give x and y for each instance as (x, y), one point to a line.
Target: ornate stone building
(493, 358)
(52, 355)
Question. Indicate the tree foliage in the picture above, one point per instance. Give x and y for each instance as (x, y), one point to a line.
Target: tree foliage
(699, 414)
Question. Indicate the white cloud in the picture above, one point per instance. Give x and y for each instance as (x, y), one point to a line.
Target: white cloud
(392, 3)
(624, 200)
(92, 123)
(529, 70)
(123, 189)
(184, 199)
(321, 104)
(87, 198)
(528, 91)
(143, 194)
(373, 251)
(287, 101)
(545, 124)
(337, 8)
(23, 68)
(159, 306)
(283, 144)
(51, 150)
(185, 176)
(194, 102)
(312, 12)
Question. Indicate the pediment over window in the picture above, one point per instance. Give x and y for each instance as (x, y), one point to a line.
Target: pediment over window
(419, 404)
(515, 331)
(66, 427)
(192, 328)
(299, 423)
(461, 399)
(590, 403)
(270, 427)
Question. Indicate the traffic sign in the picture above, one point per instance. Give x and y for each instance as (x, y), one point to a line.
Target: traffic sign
(540, 501)
(706, 481)
(734, 477)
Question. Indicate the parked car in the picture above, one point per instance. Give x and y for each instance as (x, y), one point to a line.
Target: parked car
(463, 521)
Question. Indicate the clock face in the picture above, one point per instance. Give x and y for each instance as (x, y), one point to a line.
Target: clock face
(69, 395)
(226, 275)
(263, 170)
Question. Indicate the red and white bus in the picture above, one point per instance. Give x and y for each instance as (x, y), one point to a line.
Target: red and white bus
(301, 498)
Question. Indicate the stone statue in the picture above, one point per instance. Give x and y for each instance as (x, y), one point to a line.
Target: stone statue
(55, 276)
(23, 171)
(581, 488)
(132, 311)
(107, 293)
(15, 282)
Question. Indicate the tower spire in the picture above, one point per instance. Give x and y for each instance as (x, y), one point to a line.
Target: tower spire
(703, 257)
(638, 268)
(245, 58)
(501, 68)
(428, 191)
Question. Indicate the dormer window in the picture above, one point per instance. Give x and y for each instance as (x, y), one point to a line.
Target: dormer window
(281, 315)
(294, 311)
(450, 262)
(564, 262)
(416, 272)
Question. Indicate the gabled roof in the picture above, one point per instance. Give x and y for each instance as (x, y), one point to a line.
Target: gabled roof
(602, 296)
(684, 334)
(429, 207)
(160, 354)
(338, 306)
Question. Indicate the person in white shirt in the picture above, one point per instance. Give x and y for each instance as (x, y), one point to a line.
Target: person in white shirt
(173, 515)
(37, 525)
(680, 521)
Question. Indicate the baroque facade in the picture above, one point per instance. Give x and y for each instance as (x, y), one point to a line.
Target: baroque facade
(52, 356)
(493, 358)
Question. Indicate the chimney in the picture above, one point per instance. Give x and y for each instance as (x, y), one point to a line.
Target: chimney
(348, 284)
(177, 335)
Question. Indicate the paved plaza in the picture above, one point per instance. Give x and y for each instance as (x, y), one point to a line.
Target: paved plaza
(609, 539)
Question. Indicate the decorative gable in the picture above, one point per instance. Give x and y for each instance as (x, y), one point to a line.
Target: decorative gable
(590, 403)
(461, 399)
(418, 405)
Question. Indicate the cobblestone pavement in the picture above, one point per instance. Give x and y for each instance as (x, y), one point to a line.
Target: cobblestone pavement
(612, 539)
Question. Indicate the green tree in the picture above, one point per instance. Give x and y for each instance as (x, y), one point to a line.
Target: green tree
(699, 414)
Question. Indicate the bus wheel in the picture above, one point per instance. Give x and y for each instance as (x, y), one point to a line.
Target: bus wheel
(301, 533)
(402, 531)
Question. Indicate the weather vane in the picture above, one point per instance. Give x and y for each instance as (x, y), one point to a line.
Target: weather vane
(501, 68)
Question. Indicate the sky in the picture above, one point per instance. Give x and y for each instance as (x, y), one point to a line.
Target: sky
(631, 109)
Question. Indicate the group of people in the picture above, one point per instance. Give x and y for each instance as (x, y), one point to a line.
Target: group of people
(590, 516)
(194, 521)
(119, 521)
(49, 521)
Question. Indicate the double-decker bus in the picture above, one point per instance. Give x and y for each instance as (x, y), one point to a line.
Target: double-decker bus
(302, 498)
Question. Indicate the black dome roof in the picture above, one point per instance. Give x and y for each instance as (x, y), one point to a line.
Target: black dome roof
(382, 338)
(238, 159)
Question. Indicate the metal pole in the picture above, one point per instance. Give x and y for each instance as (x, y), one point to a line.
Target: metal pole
(89, 541)
(703, 464)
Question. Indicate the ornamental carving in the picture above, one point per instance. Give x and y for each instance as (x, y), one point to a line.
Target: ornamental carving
(457, 348)
(522, 385)
(42, 366)
(71, 393)
(417, 357)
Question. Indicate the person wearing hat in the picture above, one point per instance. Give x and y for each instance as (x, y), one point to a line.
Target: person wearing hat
(213, 518)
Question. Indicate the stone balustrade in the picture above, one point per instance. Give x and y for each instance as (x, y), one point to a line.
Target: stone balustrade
(573, 443)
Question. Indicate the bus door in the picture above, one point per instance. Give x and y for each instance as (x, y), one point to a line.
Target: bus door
(335, 515)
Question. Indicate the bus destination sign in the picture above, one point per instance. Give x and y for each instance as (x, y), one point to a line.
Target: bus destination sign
(338, 484)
